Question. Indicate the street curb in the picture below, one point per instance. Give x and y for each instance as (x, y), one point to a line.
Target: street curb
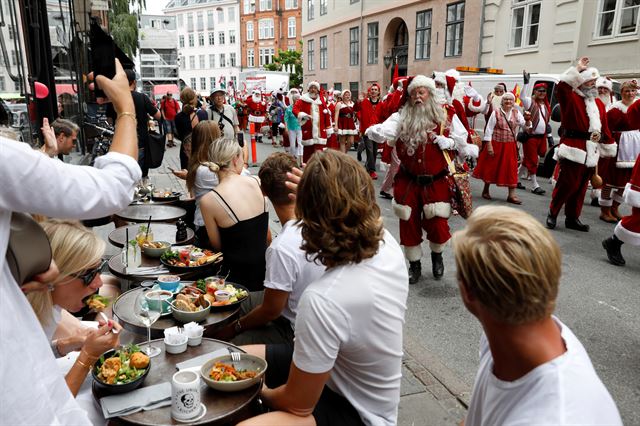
(426, 360)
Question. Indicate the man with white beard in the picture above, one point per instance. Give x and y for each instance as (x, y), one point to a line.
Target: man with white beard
(315, 120)
(494, 100)
(423, 133)
(585, 138)
(257, 113)
(605, 90)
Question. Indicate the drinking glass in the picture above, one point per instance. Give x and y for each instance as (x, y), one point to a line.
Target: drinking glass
(148, 314)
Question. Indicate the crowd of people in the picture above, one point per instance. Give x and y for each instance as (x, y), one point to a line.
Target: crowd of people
(329, 293)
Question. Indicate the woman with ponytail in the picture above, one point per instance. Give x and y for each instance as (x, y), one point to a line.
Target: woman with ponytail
(186, 120)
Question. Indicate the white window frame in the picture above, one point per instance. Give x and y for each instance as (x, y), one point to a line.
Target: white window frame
(211, 21)
(527, 6)
(311, 52)
(266, 53)
(266, 5)
(180, 20)
(220, 13)
(192, 62)
(181, 41)
(200, 39)
(249, 6)
(232, 59)
(223, 60)
(221, 38)
(232, 36)
(212, 83)
(212, 38)
(212, 60)
(324, 54)
(231, 14)
(617, 21)
(192, 40)
(203, 83)
(250, 35)
(291, 29)
(251, 58)
(193, 83)
(290, 4)
(201, 61)
(425, 31)
(265, 29)
(311, 9)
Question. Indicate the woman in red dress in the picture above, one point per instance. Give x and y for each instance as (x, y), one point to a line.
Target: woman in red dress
(498, 160)
(332, 140)
(345, 121)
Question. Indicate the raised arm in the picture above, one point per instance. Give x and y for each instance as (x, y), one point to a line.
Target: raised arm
(388, 131)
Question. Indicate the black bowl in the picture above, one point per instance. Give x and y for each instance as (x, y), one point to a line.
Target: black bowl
(115, 389)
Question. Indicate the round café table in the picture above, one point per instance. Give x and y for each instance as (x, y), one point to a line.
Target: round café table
(123, 309)
(159, 213)
(223, 408)
(117, 268)
(161, 232)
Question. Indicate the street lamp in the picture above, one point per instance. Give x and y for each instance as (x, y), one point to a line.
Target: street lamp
(387, 59)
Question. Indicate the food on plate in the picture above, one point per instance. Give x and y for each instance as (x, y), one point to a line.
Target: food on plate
(98, 303)
(222, 372)
(125, 366)
(202, 285)
(189, 303)
(191, 291)
(154, 244)
(185, 258)
(164, 194)
(235, 294)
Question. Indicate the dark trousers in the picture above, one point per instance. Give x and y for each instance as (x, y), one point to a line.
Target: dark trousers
(570, 189)
(371, 148)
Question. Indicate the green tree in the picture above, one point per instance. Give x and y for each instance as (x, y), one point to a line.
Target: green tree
(123, 24)
(288, 58)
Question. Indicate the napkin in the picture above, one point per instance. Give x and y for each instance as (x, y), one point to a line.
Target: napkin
(147, 398)
(200, 360)
(193, 330)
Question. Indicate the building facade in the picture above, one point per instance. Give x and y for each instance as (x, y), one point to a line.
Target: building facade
(208, 36)
(351, 44)
(549, 36)
(267, 26)
(157, 60)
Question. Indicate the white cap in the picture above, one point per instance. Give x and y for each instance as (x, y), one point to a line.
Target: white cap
(589, 74)
(422, 81)
(313, 83)
(604, 82)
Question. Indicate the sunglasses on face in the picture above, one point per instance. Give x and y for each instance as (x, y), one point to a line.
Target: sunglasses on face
(89, 275)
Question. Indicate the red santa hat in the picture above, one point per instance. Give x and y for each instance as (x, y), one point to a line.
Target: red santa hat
(604, 82)
(439, 77)
(313, 83)
(421, 81)
(372, 86)
(451, 77)
(540, 86)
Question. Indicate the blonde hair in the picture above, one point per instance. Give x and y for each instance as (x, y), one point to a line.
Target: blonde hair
(188, 98)
(75, 249)
(221, 153)
(510, 263)
(203, 135)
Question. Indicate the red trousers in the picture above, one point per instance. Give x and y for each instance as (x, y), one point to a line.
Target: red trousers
(308, 151)
(534, 147)
(570, 189)
(407, 192)
(628, 229)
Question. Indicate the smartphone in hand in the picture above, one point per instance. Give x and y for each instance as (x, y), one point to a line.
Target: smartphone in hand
(103, 55)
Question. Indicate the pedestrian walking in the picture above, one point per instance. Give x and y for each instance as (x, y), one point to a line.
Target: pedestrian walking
(315, 120)
(344, 121)
(293, 127)
(186, 120)
(169, 108)
(367, 108)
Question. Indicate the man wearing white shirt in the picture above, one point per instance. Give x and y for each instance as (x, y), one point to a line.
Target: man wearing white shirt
(533, 369)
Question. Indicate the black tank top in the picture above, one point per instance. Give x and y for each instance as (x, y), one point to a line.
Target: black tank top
(243, 249)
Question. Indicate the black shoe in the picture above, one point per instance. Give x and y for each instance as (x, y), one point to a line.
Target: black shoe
(551, 221)
(386, 195)
(359, 155)
(415, 271)
(612, 246)
(520, 186)
(595, 202)
(437, 266)
(575, 224)
(538, 191)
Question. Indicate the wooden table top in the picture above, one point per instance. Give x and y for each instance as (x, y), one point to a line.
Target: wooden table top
(222, 407)
(161, 232)
(123, 308)
(159, 213)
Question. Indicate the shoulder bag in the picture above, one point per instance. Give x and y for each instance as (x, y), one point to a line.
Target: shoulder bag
(459, 185)
(29, 250)
(156, 147)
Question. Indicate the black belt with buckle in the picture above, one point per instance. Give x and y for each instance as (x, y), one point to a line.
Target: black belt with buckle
(576, 134)
(346, 114)
(256, 112)
(426, 180)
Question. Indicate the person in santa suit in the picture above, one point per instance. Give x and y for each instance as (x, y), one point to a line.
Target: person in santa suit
(536, 144)
(315, 120)
(368, 116)
(257, 112)
(423, 133)
(605, 90)
(332, 139)
(344, 121)
(616, 171)
(494, 100)
(451, 94)
(628, 229)
(585, 138)
(498, 161)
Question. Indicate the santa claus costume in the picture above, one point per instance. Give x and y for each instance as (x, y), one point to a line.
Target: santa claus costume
(585, 138)
(314, 118)
(257, 113)
(421, 189)
(332, 139)
(452, 95)
(498, 161)
(628, 229)
(536, 143)
(616, 171)
(344, 121)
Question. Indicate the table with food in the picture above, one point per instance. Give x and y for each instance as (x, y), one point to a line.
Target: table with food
(158, 233)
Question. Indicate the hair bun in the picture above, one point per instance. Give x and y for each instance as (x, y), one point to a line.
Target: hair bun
(212, 166)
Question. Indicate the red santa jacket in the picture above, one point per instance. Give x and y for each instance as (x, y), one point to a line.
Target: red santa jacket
(473, 108)
(257, 110)
(580, 114)
(632, 190)
(367, 113)
(625, 134)
(314, 119)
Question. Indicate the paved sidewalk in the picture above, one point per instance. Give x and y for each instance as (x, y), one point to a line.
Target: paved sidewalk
(430, 393)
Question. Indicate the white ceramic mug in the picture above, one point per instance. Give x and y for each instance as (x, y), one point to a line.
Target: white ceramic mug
(185, 395)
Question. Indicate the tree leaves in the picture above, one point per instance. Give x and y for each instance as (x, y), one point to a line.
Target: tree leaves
(288, 57)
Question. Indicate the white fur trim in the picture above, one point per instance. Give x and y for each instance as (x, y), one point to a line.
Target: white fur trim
(631, 196)
(347, 132)
(590, 73)
(608, 149)
(256, 118)
(317, 141)
(594, 114)
(605, 202)
(422, 81)
(625, 164)
(589, 157)
(413, 253)
(626, 236)
(439, 77)
(470, 150)
(401, 211)
(615, 196)
(313, 83)
(452, 72)
(308, 99)
(439, 209)
(604, 82)
(472, 107)
(576, 79)
(619, 105)
(437, 248)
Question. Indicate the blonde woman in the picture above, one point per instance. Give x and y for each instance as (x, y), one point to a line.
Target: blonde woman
(235, 215)
(186, 120)
(345, 121)
(78, 254)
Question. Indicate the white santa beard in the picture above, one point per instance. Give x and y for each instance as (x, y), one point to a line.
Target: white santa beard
(256, 98)
(595, 125)
(496, 101)
(606, 99)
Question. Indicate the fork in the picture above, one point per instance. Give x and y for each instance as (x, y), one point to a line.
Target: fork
(235, 356)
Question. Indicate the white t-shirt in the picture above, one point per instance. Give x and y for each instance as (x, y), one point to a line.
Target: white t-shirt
(204, 182)
(350, 323)
(288, 268)
(565, 390)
